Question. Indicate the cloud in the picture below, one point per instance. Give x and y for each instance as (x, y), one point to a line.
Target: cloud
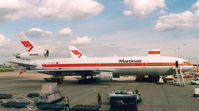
(6, 48)
(142, 8)
(81, 41)
(195, 5)
(163, 12)
(184, 20)
(37, 32)
(108, 50)
(70, 9)
(65, 32)
(14, 9)
(127, 12)
(3, 41)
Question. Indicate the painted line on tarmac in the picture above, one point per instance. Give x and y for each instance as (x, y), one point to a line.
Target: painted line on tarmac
(29, 107)
(32, 108)
(28, 99)
(14, 109)
(4, 100)
(16, 100)
(18, 95)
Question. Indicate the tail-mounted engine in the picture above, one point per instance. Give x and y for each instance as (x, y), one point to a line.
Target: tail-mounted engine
(38, 54)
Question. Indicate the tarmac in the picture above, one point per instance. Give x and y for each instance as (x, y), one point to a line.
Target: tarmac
(155, 97)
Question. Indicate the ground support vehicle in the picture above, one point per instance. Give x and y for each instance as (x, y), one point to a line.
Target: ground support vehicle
(123, 103)
(120, 93)
(195, 81)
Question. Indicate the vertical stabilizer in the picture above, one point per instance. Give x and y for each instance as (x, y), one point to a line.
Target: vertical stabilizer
(76, 53)
(26, 42)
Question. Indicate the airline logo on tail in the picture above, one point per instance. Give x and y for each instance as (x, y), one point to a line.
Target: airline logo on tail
(76, 52)
(27, 44)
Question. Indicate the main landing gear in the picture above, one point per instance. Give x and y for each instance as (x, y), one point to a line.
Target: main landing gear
(147, 78)
(86, 80)
(58, 80)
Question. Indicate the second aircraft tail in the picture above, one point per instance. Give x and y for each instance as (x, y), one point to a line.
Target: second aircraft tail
(75, 53)
(26, 42)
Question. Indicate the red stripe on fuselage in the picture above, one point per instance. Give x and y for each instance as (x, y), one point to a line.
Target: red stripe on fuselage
(111, 64)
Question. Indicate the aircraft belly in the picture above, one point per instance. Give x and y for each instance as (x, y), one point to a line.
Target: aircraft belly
(144, 71)
(125, 70)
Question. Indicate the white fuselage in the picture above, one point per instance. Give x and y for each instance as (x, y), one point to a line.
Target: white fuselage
(148, 65)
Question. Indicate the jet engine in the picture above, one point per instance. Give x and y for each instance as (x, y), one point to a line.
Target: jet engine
(104, 76)
(38, 54)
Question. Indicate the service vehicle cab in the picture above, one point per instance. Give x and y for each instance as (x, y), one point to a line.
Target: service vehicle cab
(195, 81)
(120, 93)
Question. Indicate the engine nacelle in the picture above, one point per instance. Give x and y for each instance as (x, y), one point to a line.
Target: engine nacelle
(38, 54)
(104, 76)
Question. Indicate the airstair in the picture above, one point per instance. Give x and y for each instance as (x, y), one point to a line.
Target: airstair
(180, 79)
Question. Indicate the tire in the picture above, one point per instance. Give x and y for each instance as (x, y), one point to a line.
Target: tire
(33, 95)
(193, 83)
(15, 104)
(5, 96)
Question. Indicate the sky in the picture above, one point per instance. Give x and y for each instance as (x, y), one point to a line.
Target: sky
(101, 28)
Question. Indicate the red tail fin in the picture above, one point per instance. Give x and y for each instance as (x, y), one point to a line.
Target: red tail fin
(25, 42)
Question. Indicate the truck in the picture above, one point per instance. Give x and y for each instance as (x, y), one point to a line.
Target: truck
(123, 103)
(125, 93)
(124, 100)
(195, 81)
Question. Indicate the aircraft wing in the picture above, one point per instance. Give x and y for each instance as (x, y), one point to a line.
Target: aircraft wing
(70, 72)
(26, 65)
(65, 72)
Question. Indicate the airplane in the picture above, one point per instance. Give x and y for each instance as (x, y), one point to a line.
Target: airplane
(31, 51)
(105, 68)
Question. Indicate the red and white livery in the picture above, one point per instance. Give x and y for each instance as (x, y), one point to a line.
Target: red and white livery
(105, 68)
(76, 53)
(108, 67)
(31, 51)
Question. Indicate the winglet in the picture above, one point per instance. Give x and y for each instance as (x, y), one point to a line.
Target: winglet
(25, 42)
(75, 53)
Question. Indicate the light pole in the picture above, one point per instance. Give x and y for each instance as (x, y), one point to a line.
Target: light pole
(196, 51)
